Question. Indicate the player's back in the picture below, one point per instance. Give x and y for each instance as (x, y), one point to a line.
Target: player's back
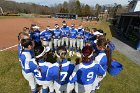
(101, 58)
(65, 72)
(24, 59)
(84, 76)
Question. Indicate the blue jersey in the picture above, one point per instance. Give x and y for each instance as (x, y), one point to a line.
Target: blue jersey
(102, 59)
(65, 31)
(35, 35)
(80, 33)
(86, 36)
(66, 70)
(73, 33)
(25, 57)
(46, 35)
(57, 34)
(39, 74)
(85, 73)
(111, 46)
(19, 49)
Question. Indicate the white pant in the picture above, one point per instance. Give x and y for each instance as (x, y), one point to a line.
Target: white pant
(30, 78)
(65, 39)
(72, 42)
(83, 88)
(57, 42)
(66, 88)
(80, 43)
(47, 43)
(97, 80)
(46, 84)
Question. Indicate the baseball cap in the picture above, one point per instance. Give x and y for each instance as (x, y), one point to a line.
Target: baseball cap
(73, 25)
(37, 27)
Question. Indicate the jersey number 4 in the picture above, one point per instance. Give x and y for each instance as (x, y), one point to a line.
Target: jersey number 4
(90, 76)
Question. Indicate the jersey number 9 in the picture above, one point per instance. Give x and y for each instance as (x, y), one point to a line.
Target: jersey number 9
(90, 76)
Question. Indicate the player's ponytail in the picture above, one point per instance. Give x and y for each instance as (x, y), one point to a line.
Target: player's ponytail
(87, 54)
(61, 54)
(108, 54)
(25, 43)
(59, 71)
(37, 51)
(37, 61)
(102, 42)
(22, 49)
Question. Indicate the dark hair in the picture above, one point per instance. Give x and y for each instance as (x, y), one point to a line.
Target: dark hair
(87, 52)
(62, 56)
(38, 50)
(25, 43)
(77, 60)
(94, 29)
(21, 33)
(64, 21)
(102, 42)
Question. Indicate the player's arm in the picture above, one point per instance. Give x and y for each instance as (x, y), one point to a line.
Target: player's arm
(73, 77)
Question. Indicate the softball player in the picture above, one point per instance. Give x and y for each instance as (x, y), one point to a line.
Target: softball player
(72, 36)
(39, 68)
(21, 35)
(57, 36)
(35, 36)
(86, 36)
(61, 71)
(25, 56)
(80, 37)
(65, 34)
(46, 37)
(102, 58)
(85, 73)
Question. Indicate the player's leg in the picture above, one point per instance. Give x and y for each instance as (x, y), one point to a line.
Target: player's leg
(59, 42)
(55, 44)
(74, 45)
(81, 44)
(30, 78)
(78, 45)
(67, 42)
(50, 45)
(57, 87)
(63, 40)
(70, 87)
(71, 41)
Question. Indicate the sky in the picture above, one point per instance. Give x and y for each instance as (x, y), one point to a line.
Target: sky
(89, 2)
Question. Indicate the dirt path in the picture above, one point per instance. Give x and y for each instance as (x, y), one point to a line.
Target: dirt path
(9, 28)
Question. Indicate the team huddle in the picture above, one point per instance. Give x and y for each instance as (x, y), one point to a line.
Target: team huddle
(91, 47)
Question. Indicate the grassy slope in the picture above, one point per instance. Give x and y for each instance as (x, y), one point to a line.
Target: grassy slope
(12, 81)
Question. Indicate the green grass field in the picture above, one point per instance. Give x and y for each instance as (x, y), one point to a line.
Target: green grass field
(12, 81)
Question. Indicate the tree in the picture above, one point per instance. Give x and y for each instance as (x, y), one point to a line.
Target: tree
(98, 10)
(78, 7)
(87, 11)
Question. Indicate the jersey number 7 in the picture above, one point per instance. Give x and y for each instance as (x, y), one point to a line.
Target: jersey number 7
(64, 75)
